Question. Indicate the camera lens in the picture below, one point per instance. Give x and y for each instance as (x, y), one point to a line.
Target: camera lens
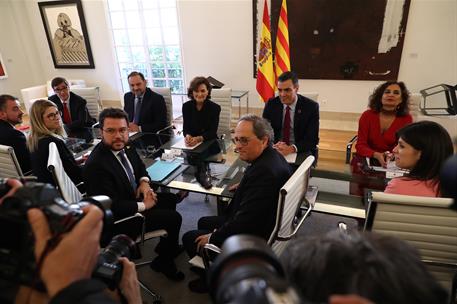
(120, 246)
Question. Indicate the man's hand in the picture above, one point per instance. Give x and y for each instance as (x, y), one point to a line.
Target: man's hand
(129, 282)
(143, 188)
(233, 187)
(191, 141)
(202, 240)
(74, 258)
(284, 148)
(133, 127)
(14, 184)
(150, 199)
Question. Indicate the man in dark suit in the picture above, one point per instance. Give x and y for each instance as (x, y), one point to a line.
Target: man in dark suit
(146, 109)
(72, 107)
(11, 115)
(253, 207)
(115, 169)
(294, 118)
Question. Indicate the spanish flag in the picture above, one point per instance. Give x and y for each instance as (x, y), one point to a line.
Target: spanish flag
(282, 54)
(265, 73)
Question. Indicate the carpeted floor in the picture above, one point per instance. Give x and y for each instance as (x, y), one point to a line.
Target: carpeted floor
(191, 209)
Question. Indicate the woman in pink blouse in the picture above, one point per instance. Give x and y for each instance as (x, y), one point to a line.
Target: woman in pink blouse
(422, 149)
(387, 114)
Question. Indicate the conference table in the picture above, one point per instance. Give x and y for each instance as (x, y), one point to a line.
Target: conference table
(341, 190)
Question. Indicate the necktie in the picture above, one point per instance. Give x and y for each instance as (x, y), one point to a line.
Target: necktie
(128, 170)
(138, 103)
(66, 114)
(286, 127)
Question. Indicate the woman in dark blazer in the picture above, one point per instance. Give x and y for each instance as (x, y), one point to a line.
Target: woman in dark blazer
(200, 114)
(46, 127)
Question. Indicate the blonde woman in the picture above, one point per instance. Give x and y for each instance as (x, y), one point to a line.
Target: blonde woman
(46, 127)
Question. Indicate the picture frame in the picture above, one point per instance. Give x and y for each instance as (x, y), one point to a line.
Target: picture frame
(66, 33)
(3, 73)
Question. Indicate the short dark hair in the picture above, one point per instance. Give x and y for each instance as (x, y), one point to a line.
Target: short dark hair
(3, 99)
(58, 80)
(260, 126)
(375, 100)
(112, 113)
(135, 73)
(435, 145)
(378, 267)
(195, 83)
(288, 75)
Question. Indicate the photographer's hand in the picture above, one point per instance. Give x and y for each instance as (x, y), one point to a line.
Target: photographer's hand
(74, 258)
(14, 184)
(129, 282)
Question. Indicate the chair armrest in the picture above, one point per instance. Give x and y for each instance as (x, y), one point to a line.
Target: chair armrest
(206, 251)
(349, 148)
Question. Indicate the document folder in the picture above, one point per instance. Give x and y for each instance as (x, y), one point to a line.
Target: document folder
(161, 169)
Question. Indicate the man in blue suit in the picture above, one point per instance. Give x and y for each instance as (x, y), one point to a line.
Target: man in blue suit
(293, 117)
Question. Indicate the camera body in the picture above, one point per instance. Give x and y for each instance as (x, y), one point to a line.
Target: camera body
(17, 259)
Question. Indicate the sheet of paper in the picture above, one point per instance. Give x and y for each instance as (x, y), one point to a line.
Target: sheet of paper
(195, 187)
(291, 158)
(182, 145)
(197, 261)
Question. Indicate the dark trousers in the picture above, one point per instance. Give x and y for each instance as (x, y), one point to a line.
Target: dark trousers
(162, 216)
(206, 225)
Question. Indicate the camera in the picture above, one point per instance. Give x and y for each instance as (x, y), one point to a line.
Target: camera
(108, 268)
(17, 259)
(247, 271)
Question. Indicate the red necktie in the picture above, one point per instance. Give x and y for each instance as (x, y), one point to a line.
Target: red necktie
(66, 114)
(286, 127)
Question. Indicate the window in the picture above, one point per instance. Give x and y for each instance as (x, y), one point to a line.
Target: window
(146, 39)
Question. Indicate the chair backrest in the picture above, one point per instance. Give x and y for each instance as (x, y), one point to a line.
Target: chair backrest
(29, 95)
(310, 95)
(166, 93)
(63, 182)
(92, 96)
(291, 197)
(9, 166)
(223, 97)
(426, 223)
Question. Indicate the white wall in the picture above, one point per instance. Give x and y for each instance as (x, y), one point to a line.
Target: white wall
(217, 40)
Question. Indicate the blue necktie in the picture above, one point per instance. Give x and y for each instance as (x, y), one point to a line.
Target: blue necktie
(136, 118)
(127, 168)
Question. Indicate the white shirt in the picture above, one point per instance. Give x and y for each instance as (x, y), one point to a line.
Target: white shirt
(292, 115)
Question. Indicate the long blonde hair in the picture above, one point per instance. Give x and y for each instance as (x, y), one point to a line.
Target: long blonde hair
(38, 128)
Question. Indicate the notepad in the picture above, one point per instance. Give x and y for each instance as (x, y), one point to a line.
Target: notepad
(181, 145)
(161, 169)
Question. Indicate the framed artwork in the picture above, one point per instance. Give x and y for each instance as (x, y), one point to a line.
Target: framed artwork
(3, 73)
(342, 40)
(66, 32)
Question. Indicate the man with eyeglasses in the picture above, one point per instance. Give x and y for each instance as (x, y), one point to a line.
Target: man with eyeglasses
(72, 107)
(11, 115)
(253, 207)
(115, 169)
(294, 118)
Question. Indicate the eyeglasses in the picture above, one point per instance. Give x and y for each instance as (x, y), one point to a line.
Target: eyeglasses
(55, 115)
(110, 131)
(58, 90)
(242, 140)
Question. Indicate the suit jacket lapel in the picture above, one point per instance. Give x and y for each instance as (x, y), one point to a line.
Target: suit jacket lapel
(117, 169)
